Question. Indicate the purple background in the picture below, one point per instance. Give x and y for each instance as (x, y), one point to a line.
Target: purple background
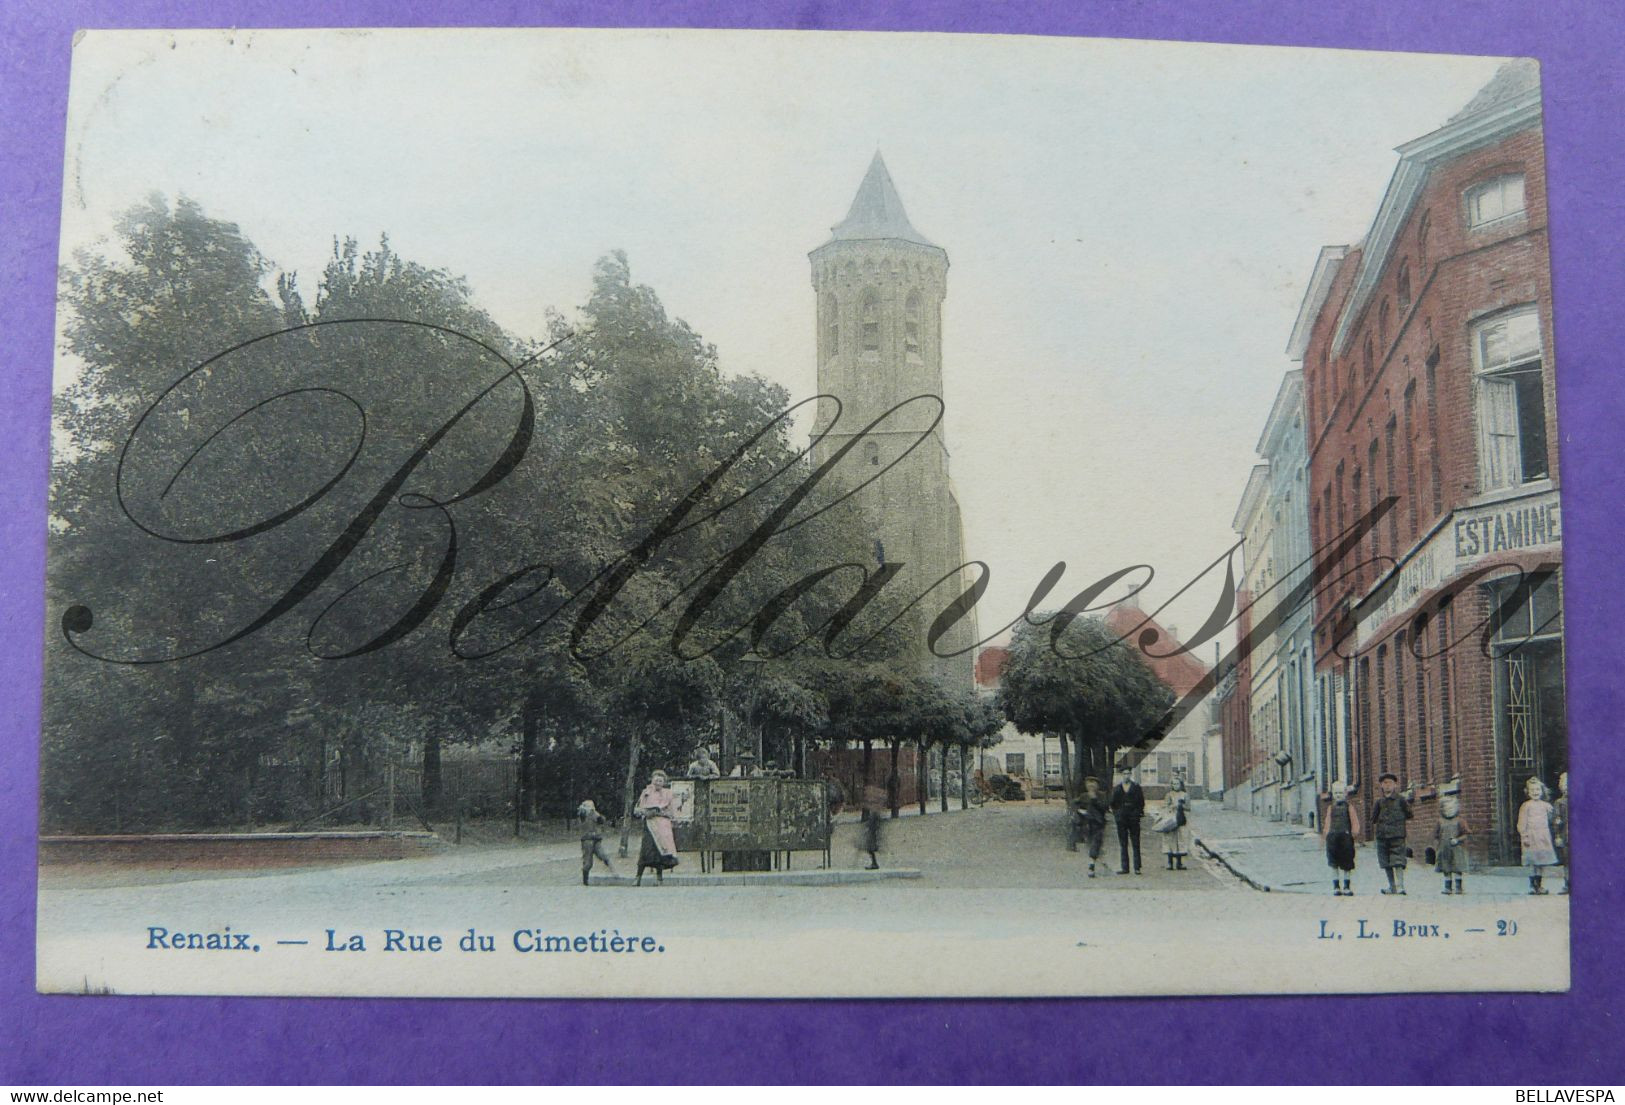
(1502, 1039)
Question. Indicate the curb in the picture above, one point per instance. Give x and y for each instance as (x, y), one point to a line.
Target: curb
(1228, 866)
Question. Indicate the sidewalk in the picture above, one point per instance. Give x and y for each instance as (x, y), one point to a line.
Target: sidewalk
(1281, 857)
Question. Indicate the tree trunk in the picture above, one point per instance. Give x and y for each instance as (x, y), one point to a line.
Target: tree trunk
(631, 787)
(922, 774)
(568, 748)
(943, 774)
(894, 784)
(431, 771)
(964, 777)
(868, 769)
(529, 783)
(1066, 769)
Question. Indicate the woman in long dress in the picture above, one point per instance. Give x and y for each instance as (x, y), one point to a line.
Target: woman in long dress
(659, 847)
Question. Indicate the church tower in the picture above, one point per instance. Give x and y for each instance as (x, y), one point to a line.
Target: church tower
(880, 285)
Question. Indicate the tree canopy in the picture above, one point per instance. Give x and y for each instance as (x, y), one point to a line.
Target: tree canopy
(1084, 685)
(294, 535)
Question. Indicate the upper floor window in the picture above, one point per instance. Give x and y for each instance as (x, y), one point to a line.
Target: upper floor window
(1402, 286)
(1368, 359)
(871, 322)
(871, 452)
(1507, 366)
(1500, 198)
(832, 327)
(911, 326)
(1382, 325)
(1423, 226)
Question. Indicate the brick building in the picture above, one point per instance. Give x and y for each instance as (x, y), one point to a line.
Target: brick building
(1240, 755)
(1428, 379)
(1190, 748)
(1032, 758)
(1186, 749)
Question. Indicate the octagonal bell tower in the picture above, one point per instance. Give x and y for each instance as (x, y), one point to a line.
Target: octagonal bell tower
(880, 285)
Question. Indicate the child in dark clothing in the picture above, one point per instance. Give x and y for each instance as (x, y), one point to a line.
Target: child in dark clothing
(592, 838)
(1341, 827)
(1388, 818)
(1092, 810)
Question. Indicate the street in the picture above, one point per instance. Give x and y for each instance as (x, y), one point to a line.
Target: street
(1000, 908)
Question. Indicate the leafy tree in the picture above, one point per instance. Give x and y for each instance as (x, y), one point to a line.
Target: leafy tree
(247, 432)
(1085, 686)
(179, 287)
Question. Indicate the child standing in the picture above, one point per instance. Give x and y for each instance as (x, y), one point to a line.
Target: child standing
(1452, 843)
(1173, 841)
(1093, 810)
(1341, 826)
(1388, 818)
(592, 838)
(1535, 832)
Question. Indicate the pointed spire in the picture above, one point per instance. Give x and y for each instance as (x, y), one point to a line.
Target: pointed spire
(877, 210)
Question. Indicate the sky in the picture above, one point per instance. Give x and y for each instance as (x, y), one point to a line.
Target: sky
(1130, 226)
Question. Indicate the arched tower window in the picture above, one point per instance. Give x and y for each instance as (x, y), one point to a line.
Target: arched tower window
(832, 327)
(911, 326)
(871, 322)
(871, 453)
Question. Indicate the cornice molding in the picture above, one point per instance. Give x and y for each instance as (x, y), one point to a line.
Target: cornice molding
(1327, 263)
(1416, 161)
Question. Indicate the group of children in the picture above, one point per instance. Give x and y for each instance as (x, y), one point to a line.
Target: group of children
(1542, 831)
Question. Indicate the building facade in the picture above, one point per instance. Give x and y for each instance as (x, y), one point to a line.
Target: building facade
(1429, 400)
(1253, 779)
(1292, 755)
(1032, 758)
(880, 286)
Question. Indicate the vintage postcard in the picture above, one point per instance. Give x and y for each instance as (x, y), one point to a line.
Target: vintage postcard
(751, 514)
